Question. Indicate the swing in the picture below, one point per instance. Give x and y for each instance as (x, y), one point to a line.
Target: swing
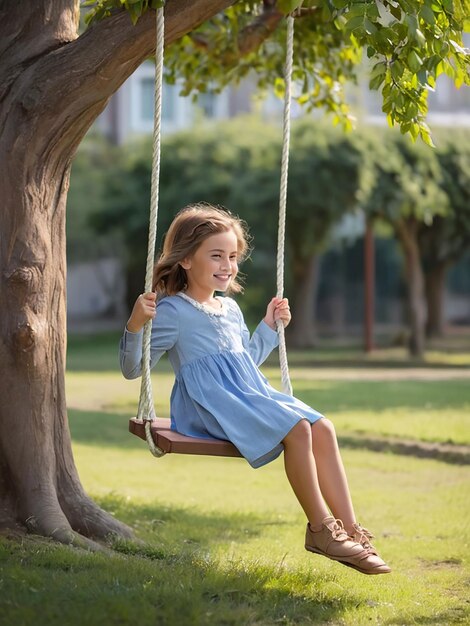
(156, 431)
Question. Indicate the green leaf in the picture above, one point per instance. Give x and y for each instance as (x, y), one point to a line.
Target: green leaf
(355, 22)
(375, 82)
(427, 14)
(395, 11)
(369, 27)
(426, 137)
(397, 69)
(414, 61)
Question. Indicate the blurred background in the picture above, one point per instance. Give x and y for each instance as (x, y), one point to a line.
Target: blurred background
(378, 227)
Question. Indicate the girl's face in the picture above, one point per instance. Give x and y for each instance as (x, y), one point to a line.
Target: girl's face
(214, 264)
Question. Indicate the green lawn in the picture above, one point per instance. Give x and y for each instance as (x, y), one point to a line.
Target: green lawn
(223, 544)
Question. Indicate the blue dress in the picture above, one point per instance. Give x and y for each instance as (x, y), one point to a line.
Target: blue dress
(219, 390)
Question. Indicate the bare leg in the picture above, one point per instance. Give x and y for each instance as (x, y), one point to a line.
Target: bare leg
(301, 472)
(331, 473)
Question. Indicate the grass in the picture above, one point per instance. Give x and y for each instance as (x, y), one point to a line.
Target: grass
(223, 544)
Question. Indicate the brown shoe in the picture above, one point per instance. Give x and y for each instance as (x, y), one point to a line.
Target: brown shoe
(362, 535)
(333, 542)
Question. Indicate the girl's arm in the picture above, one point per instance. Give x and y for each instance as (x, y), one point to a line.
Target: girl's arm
(265, 337)
(164, 334)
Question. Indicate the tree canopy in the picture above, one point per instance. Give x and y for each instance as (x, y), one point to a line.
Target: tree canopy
(408, 45)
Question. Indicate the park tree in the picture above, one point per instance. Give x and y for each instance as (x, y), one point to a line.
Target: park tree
(447, 238)
(54, 82)
(407, 194)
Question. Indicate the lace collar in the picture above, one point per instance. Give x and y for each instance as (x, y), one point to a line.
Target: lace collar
(205, 307)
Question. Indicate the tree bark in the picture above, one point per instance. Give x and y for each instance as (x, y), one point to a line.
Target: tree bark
(435, 285)
(306, 273)
(407, 235)
(53, 85)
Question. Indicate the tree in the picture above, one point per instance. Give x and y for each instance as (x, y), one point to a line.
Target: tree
(54, 83)
(406, 194)
(443, 242)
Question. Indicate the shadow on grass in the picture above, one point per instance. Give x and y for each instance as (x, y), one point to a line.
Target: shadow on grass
(177, 530)
(102, 429)
(183, 538)
(447, 453)
(172, 580)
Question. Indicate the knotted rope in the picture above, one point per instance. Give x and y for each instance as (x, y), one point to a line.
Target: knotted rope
(146, 410)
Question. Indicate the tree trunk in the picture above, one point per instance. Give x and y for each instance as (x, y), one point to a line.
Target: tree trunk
(435, 284)
(306, 273)
(53, 85)
(406, 232)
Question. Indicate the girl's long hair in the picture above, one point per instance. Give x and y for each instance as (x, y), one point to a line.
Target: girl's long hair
(191, 226)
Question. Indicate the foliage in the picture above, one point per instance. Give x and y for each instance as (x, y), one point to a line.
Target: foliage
(409, 44)
(104, 8)
(447, 238)
(87, 194)
(236, 164)
(407, 181)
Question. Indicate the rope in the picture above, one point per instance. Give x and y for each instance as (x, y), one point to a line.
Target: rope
(146, 410)
(281, 237)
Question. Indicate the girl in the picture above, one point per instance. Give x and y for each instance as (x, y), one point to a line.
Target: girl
(219, 390)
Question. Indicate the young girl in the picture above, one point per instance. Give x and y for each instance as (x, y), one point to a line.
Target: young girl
(219, 390)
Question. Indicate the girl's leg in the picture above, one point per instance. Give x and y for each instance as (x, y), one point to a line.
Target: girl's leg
(324, 535)
(331, 473)
(301, 472)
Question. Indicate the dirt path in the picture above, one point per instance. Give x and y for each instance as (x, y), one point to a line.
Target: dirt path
(380, 373)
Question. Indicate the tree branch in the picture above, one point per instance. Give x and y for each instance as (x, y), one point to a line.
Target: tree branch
(25, 34)
(250, 37)
(253, 35)
(68, 87)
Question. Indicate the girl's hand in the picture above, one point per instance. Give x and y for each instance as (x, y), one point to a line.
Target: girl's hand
(144, 310)
(278, 309)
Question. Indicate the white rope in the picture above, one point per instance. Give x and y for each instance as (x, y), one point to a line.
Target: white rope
(281, 237)
(146, 410)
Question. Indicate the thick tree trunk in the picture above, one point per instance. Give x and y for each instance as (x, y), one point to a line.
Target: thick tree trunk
(52, 87)
(303, 332)
(406, 232)
(435, 284)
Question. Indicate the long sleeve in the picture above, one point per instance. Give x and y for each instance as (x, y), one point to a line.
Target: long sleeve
(262, 342)
(163, 337)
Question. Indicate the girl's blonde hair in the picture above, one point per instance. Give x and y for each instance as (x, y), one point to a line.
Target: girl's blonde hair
(191, 226)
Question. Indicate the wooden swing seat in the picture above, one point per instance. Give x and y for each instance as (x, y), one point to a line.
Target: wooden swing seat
(171, 441)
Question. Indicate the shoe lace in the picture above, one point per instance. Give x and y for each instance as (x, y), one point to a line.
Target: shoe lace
(362, 535)
(338, 532)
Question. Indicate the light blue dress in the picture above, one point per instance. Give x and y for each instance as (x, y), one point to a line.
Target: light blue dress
(219, 390)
